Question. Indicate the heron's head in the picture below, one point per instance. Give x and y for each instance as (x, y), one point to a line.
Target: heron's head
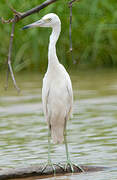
(49, 20)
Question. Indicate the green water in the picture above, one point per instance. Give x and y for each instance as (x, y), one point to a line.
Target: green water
(92, 132)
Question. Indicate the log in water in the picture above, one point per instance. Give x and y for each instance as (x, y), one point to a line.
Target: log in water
(39, 170)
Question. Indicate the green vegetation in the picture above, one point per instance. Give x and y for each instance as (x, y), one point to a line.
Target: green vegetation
(94, 35)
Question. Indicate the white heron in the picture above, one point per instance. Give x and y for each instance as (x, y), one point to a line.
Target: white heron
(57, 94)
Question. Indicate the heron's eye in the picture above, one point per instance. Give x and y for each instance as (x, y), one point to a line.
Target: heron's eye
(48, 20)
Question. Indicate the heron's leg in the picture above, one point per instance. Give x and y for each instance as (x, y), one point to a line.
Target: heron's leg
(69, 163)
(49, 144)
(49, 156)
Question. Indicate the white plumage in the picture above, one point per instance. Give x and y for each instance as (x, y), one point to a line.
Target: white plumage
(57, 95)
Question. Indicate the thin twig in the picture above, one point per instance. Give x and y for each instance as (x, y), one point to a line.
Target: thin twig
(9, 60)
(16, 12)
(7, 77)
(4, 21)
(70, 28)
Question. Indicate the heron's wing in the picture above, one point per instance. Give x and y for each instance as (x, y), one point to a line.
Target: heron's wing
(45, 95)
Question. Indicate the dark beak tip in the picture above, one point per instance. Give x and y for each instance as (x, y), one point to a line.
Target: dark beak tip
(25, 27)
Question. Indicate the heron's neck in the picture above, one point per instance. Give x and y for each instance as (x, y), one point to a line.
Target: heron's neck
(52, 57)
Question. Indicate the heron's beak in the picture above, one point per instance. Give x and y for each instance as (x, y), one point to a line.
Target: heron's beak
(35, 24)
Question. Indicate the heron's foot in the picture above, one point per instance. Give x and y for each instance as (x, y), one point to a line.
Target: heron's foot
(69, 164)
(79, 167)
(50, 164)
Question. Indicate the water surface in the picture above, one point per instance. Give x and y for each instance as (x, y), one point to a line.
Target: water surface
(92, 132)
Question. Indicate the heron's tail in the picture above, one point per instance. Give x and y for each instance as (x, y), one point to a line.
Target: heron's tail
(57, 134)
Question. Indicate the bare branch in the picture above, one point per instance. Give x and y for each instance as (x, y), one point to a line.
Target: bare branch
(38, 8)
(9, 60)
(18, 16)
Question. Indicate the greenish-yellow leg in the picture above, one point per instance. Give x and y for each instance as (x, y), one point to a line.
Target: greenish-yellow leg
(69, 163)
(49, 157)
(49, 134)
